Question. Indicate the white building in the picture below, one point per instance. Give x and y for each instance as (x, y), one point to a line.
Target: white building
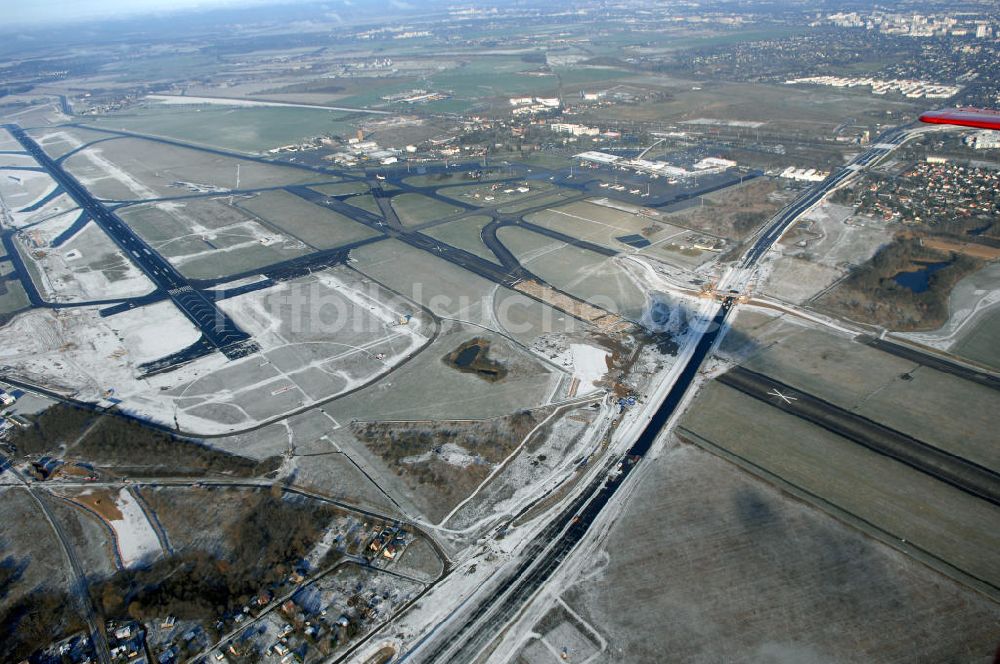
(984, 140)
(597, 157)
(804, 174)
(714, 165)
(574, 129)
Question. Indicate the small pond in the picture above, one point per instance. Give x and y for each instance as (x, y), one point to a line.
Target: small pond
(919, 280)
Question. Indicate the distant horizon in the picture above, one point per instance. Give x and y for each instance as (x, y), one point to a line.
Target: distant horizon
(61, 12)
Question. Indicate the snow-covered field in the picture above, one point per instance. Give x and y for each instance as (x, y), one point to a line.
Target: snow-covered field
(48, 221)
(21, 189)
(17, 160)
(81, 353)
(111, 170)
(87, 267)
(449, 453)
(589, 363)
(134, 537)
(150, 332)
(225, 101)
(225, 238)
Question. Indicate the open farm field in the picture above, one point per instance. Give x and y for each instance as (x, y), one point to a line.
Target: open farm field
(980, 343)
(728, 567)
(934, 407)
(939, 520)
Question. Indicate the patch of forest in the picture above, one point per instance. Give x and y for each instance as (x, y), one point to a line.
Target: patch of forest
(128, 446)
(263, 550)
(870, 294)
(447, 459)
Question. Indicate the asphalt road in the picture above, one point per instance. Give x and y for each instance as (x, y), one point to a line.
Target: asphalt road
(789, 215)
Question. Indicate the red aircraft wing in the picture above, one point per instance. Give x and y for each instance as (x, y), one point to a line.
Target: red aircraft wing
(964, 117)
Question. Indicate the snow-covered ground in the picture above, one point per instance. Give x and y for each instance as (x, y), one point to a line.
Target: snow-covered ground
(588, 363)
(237, 236)
(111, 170)
(21, 189)
(81, 353)
(87, 267)
(147, 340)
(449, 453)
(16, 160)
(48, 221)
(226, 101)
(134, 537)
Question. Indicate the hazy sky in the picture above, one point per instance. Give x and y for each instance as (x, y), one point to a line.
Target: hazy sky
(43, 11)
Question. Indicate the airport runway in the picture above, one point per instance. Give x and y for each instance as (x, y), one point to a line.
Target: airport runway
(217, 328)
(933, 361)
(957, 471)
